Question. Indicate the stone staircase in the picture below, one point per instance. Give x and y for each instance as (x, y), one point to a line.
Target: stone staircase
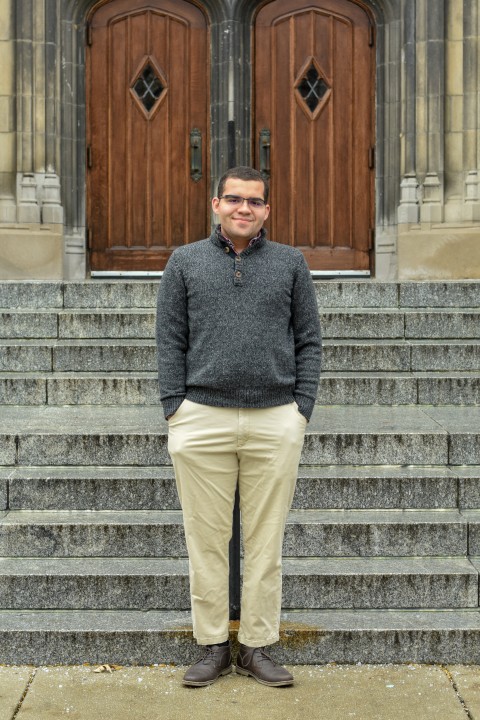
(382, 547)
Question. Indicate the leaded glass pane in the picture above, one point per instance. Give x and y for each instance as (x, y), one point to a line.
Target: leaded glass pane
(148, 88)
(312, 87)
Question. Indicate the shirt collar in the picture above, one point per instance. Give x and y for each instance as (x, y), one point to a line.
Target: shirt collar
(230, 244)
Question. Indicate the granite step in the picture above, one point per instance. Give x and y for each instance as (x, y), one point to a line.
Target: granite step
(331, 293)
(336, 435)
(322, 487)
(306, 637)
(159, 533)
(141, 388)
(139, 323)
(133, 356)
(310, 583)
(89, 515)
(31, 294)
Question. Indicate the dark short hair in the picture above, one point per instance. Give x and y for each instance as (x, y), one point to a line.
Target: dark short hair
(243, 172)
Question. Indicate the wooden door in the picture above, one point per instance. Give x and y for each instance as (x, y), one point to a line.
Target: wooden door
(314, 100)
(148, 100)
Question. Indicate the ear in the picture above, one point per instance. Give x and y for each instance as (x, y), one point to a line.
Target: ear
(267, 211)
(215, 204)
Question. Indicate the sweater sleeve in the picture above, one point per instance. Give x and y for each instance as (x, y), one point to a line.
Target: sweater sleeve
(172, 337)
(308, 340)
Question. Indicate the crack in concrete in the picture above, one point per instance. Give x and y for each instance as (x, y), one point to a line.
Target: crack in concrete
(24, 695)
(457, 692)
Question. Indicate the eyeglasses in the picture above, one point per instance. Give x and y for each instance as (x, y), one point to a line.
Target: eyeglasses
(236, 201)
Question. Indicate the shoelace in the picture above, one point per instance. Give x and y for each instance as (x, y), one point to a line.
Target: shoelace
(209, 655)
(264, 656)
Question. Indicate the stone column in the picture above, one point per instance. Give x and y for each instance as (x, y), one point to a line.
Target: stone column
(231, 96)
(408, 89)
(33, 248)
(408, 209)
(52, 86)
(471, 96)
(38, 113)
(73, 132)
(222, 82)
(52, 210)
(430, 106)
(29, 74)
(454, 86)
(8, 209)
(389, 44)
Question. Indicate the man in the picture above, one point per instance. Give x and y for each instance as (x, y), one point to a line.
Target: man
(239, 352)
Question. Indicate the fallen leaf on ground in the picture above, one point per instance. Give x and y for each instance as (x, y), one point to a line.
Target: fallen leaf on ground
(107, 668)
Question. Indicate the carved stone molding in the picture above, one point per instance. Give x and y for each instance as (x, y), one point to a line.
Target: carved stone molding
(409, 208)
(52, 210)
(472, 203)
(471, 187)
(432, 204)
(28, 207)
(8, 210)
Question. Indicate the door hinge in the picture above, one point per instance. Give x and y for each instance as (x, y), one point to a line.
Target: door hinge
(371, 157)
(371, 238)
(89, 156)
(88, 33)
(89, 238)
(371, 36)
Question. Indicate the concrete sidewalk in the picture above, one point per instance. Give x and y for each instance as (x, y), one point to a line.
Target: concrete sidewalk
(333, 692)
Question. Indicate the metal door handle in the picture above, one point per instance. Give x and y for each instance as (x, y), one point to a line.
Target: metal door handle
(265, 151)
(195, 154)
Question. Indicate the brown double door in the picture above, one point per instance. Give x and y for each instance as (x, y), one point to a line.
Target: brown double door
(148, 122)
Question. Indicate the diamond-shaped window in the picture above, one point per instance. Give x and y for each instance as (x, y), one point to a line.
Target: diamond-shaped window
(311, 86)
(148, 85)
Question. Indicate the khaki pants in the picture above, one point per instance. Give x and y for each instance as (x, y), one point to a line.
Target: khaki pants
(211, 448)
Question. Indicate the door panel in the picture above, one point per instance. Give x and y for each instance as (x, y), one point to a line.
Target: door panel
(147, 89)
(314, 93)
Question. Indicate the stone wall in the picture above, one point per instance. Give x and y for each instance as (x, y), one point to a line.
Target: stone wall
(439, 212)
(31, 214)
(427, 164)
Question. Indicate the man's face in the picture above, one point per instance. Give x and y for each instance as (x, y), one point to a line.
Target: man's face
(242, 222)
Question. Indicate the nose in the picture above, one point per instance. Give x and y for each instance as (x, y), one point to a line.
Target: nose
(242, 205)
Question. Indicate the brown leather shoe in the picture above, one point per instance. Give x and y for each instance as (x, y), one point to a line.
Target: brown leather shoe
(216, 661)
(258, 663)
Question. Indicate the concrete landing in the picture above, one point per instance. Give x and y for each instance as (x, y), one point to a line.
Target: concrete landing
(336, 692)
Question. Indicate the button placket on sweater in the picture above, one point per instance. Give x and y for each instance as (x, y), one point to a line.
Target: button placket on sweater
(239, 262)
(238, 271)
(237, 266)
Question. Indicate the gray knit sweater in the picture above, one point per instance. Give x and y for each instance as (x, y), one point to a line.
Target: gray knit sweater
(238, 332)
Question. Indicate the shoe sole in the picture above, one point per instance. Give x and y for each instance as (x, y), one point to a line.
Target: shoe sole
(278, 683)
(193, 683)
